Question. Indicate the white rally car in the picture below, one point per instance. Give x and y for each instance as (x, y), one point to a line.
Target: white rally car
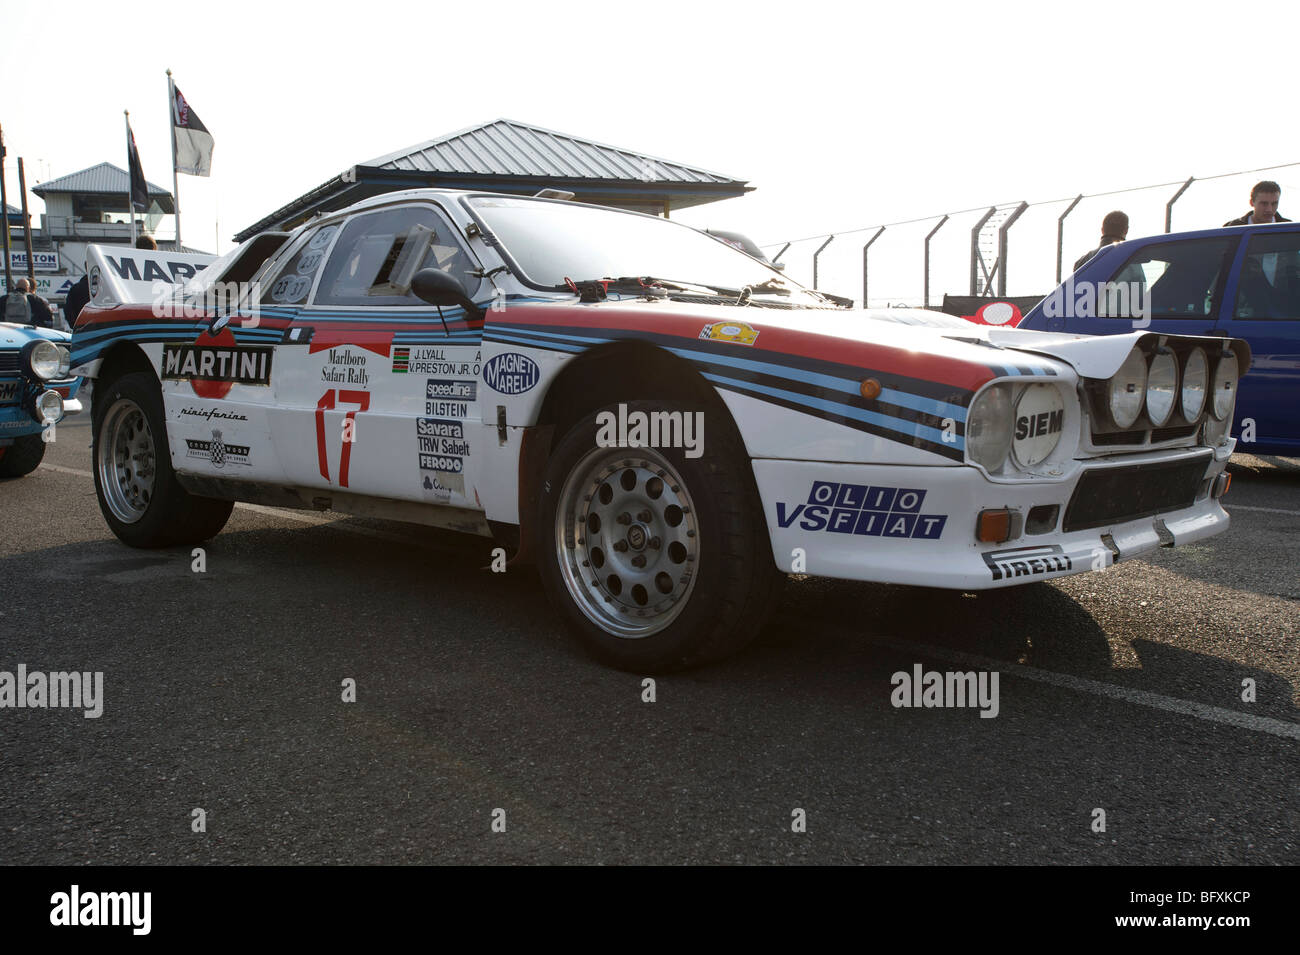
(662, 423)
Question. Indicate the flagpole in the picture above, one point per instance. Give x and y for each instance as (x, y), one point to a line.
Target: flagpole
(176, 182)
(130, 206)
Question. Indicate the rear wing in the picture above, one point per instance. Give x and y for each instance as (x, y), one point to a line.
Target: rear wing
(121, 275)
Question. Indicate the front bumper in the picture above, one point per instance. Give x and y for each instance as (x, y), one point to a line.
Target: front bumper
(16, 421)
(916, 525)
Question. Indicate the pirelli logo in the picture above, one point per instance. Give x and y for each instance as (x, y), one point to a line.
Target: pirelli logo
(1027, 561)
(239, 364)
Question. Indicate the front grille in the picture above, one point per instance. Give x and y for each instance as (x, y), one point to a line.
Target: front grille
(1115, 495)
(8, 362)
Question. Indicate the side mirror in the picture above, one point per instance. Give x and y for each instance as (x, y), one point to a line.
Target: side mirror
(442, 288)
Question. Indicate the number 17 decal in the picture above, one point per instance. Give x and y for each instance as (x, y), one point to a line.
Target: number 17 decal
(327, 403)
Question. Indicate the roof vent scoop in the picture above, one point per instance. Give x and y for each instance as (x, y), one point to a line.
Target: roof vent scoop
(554, 194)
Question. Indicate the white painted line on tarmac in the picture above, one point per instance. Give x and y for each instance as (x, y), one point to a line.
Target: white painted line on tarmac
(1170, 704)
(63, 470)
(1266, 510)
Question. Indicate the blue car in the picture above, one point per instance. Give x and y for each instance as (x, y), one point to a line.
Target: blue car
(1235, 282)
(36, 392)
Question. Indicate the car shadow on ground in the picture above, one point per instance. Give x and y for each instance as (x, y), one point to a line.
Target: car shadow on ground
(421, 593)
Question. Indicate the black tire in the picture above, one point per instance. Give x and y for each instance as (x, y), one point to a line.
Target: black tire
(22, 457)
(145, 506)
(723, 581)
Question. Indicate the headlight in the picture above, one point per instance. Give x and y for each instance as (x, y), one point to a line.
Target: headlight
(1162, 387)
(1040, 419)
(1225, 386)
(49, 407)
(1196, 375)
(1126, 390)
(988, 427)
(47, 361)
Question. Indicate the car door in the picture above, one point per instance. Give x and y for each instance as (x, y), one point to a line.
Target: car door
(1173, 287)
(1262, 305)
(378, 390)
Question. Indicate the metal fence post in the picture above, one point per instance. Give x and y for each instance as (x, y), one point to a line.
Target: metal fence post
(1169, 206)
(1060, 235)
(828, 241)
(777, 258)
(1002, 245)
(927, 258)
(864, 263)
(975, 248)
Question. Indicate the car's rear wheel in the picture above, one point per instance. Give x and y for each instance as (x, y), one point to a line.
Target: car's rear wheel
(21, 457)
(143, 503)
(658, 561)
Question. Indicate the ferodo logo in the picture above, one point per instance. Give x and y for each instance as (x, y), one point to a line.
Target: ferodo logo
(511, 373)
(1040, 418)
(215, 362)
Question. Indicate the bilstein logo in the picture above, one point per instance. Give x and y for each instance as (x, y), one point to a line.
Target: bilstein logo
(511, 373)
(214, 363)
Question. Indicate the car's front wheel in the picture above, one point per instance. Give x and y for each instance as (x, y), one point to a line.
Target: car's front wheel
(658, 561)
(143, 503)
(21, 457)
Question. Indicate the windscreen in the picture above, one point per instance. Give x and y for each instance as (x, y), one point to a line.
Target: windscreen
(555, 241)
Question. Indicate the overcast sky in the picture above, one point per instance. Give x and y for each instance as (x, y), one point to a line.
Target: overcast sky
(843, 116)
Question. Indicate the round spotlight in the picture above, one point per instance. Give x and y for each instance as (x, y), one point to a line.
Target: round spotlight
(1162, 387)
(1196, 377)
(1127, 389)
(49, 406)
(1225, 386)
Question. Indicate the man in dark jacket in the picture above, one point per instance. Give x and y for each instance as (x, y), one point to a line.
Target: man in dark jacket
(42, 316)
(76, 299)
(1264, 198)
(1114, 228)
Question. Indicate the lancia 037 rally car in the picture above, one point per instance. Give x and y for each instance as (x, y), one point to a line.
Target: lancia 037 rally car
(662, 423)
(36, 392)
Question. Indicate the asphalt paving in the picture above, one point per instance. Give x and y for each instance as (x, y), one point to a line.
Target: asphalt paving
(480, 733)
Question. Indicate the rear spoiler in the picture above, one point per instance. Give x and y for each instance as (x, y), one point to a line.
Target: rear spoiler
(121, 275)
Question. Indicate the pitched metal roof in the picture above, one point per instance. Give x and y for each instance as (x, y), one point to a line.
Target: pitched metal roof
(505, 147)
(518, 158)
(104, 178)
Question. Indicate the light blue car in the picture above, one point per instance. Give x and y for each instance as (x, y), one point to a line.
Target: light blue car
(36, 393)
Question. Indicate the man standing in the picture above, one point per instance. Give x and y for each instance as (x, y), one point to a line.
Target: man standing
(1114, 228)
(42, 317)
(1264, 198)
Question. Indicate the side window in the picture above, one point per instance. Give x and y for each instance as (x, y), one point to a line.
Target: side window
(1269, 285)
(1174, 279)
(378, 252)
(292, 283)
